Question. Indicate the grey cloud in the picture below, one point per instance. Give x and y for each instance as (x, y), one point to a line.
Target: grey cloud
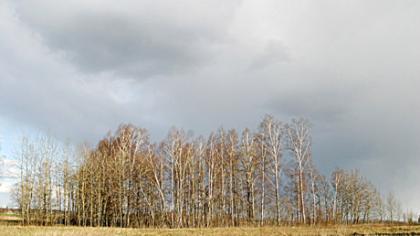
(273, 53)
(37, 87)
(137, 41)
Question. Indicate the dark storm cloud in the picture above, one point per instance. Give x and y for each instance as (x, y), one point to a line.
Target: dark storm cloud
(78, 69)
(37, 87)
(138, 40)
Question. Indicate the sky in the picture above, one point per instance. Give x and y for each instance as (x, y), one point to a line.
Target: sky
(77, 69)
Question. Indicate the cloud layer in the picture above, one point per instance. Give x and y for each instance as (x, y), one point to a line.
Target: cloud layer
(78, 69)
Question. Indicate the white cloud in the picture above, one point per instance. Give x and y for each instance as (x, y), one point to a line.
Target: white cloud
(9, 175)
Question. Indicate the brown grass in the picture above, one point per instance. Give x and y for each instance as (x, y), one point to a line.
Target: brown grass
(9, 218)
(300, 230)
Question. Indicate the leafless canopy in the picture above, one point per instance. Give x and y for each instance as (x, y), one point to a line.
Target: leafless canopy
(230, 178)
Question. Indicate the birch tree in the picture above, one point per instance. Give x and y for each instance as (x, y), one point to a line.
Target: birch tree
(273, 141)
(299, 143)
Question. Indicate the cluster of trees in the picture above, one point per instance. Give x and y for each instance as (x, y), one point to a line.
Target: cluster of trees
(230, 178)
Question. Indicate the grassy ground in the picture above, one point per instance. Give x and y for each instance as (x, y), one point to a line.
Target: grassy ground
(330, 230)
(9, 219)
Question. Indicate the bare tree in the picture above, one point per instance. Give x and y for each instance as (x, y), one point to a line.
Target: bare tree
(249, 168)
(261, 152)
(299, 143)
(273, 139)
(232, 156)
(391, 206)
(128, 181)
(337, 176)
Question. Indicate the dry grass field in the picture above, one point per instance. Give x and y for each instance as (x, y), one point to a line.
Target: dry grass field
(328, 230)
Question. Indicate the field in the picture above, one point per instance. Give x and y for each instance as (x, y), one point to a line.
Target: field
(326, 230)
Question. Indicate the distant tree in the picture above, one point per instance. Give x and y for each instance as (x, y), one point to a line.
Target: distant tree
(391, 206)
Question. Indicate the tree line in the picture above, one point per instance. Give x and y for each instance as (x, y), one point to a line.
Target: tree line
(230, 178)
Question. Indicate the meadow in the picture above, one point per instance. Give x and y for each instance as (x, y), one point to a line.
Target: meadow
(298, 230)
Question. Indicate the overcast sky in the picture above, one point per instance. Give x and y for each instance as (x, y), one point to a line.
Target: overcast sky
(77, 69)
